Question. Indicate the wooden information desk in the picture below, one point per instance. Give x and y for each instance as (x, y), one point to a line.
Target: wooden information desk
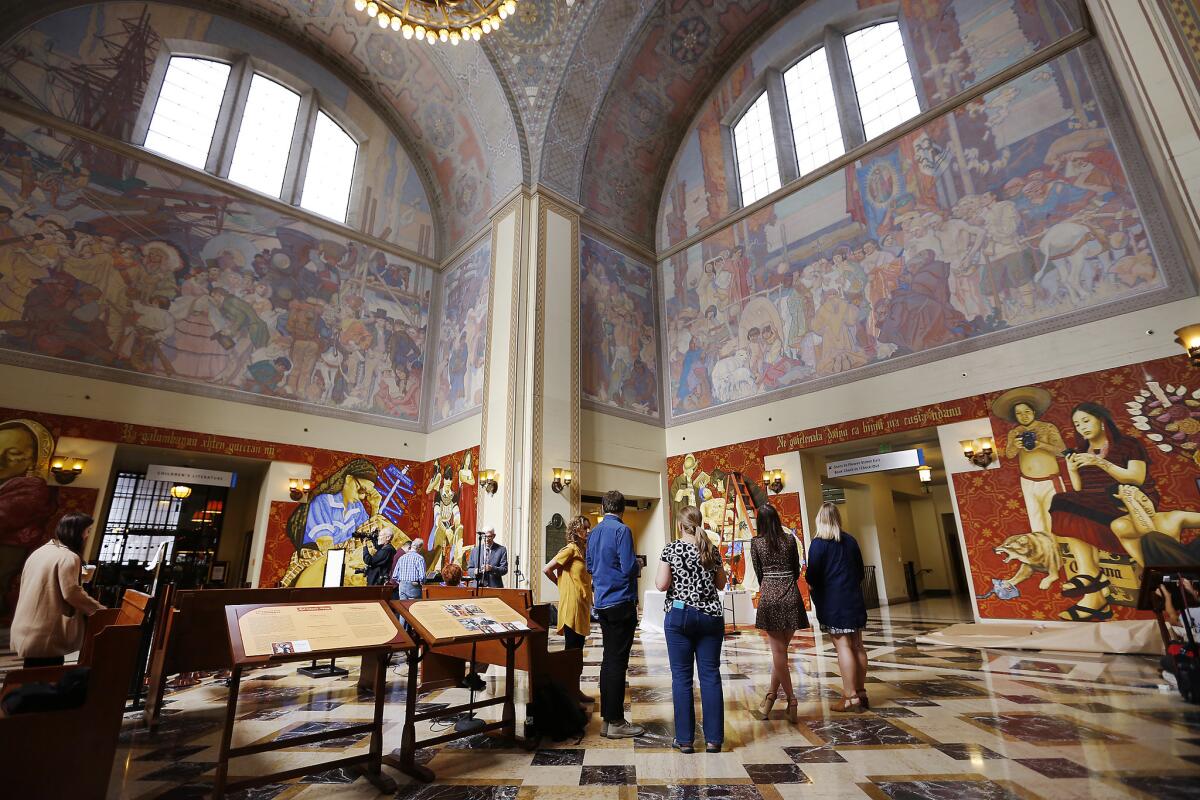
(449, 622)
(264, 634)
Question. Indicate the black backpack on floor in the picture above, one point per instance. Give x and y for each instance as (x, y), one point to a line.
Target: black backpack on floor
(555, 715)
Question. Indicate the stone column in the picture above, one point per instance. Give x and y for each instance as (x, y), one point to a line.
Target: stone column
(531, 404)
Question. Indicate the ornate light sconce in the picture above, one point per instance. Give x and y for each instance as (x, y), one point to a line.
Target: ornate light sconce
(562, 479)
(181, 492)
(980, 452)
(66, 469)
(298, 488)
(489, 479)
(774, 480)
(1188, 337)
(925, 475)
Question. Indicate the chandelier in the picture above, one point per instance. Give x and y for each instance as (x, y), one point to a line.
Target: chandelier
(439, 20)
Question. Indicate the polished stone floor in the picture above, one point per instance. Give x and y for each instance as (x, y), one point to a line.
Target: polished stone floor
(945, 723)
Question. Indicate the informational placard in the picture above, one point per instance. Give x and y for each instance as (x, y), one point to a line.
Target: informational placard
(878, 462)
(192, 475)
(314, 628)
(458, 617)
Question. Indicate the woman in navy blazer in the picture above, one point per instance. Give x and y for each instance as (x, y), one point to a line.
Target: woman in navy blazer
(835, 575)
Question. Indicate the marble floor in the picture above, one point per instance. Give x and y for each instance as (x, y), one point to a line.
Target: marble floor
(945, 723)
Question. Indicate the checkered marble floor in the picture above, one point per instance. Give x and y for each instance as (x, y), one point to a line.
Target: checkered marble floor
(945, 723)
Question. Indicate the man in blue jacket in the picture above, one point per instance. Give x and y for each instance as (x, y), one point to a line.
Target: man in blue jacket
(614, 568)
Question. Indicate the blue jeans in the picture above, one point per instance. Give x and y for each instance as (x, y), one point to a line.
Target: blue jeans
(694, 640)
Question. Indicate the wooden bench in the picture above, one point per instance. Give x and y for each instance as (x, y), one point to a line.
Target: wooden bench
(193, 635)
(70, 753)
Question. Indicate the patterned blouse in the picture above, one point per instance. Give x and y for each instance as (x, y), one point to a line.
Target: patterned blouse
(691, 583)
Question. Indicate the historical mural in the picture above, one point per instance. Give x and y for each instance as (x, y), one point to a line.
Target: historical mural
(91, 65)
(953, 45)
(1011, 210)
(1099, 475)
(110, 262)
(617, 330)
(462, 342)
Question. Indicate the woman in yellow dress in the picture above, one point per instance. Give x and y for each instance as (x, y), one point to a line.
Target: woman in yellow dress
(568, 570)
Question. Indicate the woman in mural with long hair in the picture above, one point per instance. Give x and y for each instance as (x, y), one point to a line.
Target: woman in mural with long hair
(780, 608)
(1102, 461)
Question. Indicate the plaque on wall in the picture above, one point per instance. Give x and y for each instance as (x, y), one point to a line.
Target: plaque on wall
(556, 536)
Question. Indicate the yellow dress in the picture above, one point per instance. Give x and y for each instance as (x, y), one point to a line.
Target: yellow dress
(574, 591)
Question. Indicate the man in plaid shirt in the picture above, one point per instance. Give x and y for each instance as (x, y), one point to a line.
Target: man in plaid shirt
(409, 572)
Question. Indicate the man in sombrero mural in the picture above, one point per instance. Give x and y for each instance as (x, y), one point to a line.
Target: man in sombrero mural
(1036, 444)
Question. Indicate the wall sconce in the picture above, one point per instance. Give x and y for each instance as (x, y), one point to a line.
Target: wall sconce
(66, 469)
(489, 479)
(979, 452)
(774, 480)
(298, 488)
(181, 492)
(925, 475)
(562, 479)
(1188, 337)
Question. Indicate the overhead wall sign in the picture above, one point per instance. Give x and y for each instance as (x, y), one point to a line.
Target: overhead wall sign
(879, 462)
(200, 477)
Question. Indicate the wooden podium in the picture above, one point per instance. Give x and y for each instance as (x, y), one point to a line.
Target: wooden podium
(263, 634)
(452, 621)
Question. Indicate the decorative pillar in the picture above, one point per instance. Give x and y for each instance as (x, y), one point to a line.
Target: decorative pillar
(532, 379)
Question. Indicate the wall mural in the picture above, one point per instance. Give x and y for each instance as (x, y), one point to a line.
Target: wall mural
(953, 44)
(1011, 210)
(1099, 475)
(114, 263)
(620, 340)
(90, 65)
(462, 342)
(30, 506)
(359, 498)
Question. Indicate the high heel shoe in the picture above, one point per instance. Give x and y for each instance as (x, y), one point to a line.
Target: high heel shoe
(793, 710)
(864, 701)
(851, 704)
(764, 708)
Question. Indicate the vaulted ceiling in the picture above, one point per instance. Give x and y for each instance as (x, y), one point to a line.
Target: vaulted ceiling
(590, 100)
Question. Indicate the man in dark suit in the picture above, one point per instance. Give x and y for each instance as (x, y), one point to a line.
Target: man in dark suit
(379, 563)
(488, 563)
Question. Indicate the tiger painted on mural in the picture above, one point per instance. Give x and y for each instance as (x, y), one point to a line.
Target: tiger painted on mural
(1035, 552)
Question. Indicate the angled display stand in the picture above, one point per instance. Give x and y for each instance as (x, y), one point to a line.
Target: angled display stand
(267, 634)
(452, 621)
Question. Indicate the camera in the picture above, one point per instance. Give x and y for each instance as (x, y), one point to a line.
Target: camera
(1028, 440)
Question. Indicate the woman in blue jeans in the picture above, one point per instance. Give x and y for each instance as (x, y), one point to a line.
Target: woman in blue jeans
(691, 575)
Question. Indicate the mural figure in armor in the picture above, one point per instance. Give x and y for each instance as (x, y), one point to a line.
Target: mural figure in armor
(446, 543)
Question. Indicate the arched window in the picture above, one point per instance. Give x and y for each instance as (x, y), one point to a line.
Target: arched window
(330, 172)
(754, 143)
(236, 122)
(185, 115)
(816, 130)
(853, 88)
(883, 82)
(264, 139)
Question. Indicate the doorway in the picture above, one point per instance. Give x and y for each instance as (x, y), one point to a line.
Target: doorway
(904, 524)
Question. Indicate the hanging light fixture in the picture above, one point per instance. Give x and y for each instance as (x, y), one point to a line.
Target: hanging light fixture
(438, 20)
(181, 492)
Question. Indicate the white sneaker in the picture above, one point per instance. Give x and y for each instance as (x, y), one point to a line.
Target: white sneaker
(620, 730)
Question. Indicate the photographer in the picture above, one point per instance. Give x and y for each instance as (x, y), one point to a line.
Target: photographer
(1180, 598)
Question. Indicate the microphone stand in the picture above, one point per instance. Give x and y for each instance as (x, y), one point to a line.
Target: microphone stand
(518, 576)
(470, 722)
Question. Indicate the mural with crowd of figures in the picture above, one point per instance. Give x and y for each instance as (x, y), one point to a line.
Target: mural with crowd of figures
(113, 263)
(618, 331)
(1012, 210)
(1099, 475)
(462, 341)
